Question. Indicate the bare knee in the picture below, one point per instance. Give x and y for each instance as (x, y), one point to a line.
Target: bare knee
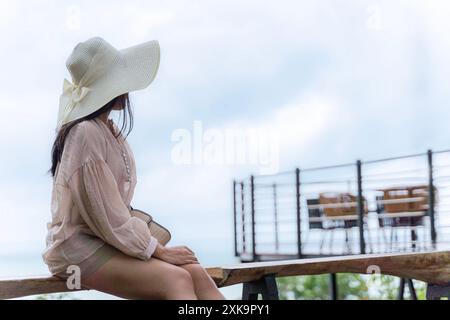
(181, 285)
(195, 267)
(195, 270)
(183, 277)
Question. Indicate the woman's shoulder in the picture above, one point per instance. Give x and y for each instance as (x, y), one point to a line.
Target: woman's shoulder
(84, 129)
(86, 137)
(86, 133)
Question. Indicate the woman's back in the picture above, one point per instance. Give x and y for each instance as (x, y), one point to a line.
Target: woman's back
(95, 177)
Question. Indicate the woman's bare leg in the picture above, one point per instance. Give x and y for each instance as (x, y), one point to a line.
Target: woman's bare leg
(205, 287)
(131, 278)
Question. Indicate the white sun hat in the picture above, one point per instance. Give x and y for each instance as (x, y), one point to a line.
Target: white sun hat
(100, 73)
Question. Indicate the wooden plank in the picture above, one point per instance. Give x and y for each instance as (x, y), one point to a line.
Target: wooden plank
(14, 288)
(431, 267)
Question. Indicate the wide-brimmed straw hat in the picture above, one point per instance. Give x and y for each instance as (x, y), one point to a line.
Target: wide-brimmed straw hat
(100, 73)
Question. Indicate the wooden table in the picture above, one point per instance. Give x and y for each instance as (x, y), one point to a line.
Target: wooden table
(379, 216)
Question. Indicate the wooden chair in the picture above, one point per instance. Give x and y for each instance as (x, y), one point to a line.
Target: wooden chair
(405, 199)
(315, 215)
(341, 204)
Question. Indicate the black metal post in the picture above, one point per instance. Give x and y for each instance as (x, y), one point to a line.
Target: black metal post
(362, 244)
(266, 286)
(252, 189)
(436, 292)
(413, 238)
(333, 287)
(243, 216)
(235, 220)
(297, 194)
(412, 290)
(401, 289)
(275, 211)
(431, 196)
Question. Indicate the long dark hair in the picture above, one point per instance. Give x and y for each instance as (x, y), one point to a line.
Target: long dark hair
(127, 114)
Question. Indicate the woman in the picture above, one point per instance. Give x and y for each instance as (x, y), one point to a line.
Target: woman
(94, 177)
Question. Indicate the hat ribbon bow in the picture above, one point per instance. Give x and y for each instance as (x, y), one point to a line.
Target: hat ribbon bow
(76, 92)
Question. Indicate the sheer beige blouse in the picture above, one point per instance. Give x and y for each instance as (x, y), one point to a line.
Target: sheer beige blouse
(92, 191)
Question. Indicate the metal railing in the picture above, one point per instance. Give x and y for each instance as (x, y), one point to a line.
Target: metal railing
(281, 215)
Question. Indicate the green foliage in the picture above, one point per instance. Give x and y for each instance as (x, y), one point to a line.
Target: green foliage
(56, 296)
(350, 286)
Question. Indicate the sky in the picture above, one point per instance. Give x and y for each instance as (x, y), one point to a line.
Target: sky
(314, 82)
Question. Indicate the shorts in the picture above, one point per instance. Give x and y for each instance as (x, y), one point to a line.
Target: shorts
(91, 264)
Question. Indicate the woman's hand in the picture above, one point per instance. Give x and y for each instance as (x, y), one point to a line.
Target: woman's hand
(175, 255)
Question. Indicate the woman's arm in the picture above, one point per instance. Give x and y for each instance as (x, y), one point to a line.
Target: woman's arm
(97, 197)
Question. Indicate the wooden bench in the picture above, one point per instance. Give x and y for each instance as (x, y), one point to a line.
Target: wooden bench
(260, 277)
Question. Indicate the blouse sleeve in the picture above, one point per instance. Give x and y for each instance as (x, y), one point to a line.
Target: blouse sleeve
(96, 195)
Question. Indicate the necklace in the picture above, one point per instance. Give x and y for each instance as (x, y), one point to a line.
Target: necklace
(122, 150)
